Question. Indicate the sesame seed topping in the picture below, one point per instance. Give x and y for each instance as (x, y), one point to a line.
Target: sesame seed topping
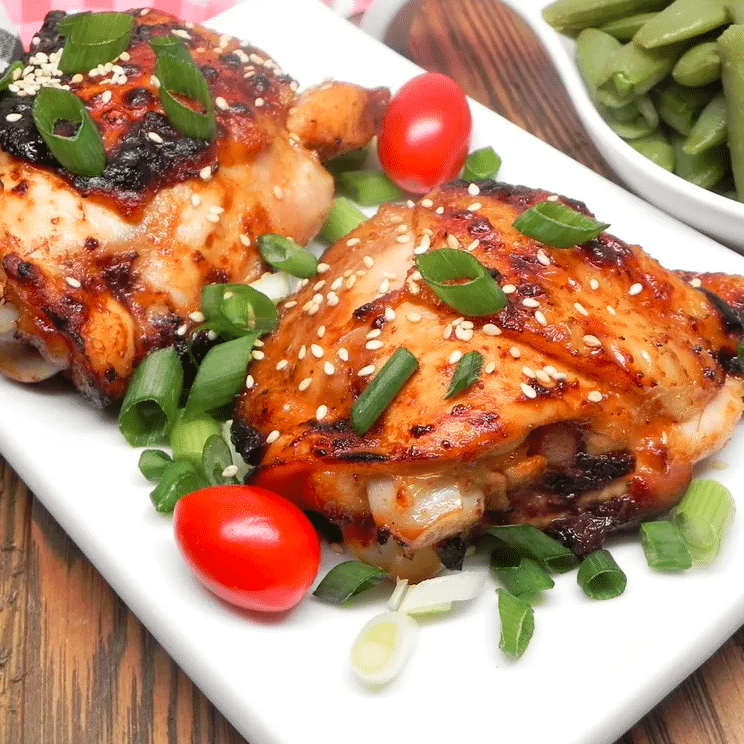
(427, 203)
(528, 371)
(72, 281)
(290, 304)
(695, 282)
(319, 285)
(155, 137)
(540, 318)
(321, 331)
(317, 351)
(366, 371)
(474, 207)
(508, 289)
(321, 412)
(221, 103)
(447, 331)
(635, 289)
(473, 245)
(278, 191)
(76, 78)
(181, 330)
(455, 356)
(439, 210)
(249, 382)
(328, 368)
(211, 217)
(332, 299)
(374, 333)
(553, 198)
(13, 117)
(106, 96)
(452, 241)
(230, 471)
(592, 341)
(197, 316)
(403, 238)
(205, 173)
(390, 314)
(611, 310)
(646, 356)
(473, 189)
(530, 302)
(196, 201)
(384, 286)
(257, 355)
(180, 32)
(302, 352)
(353, 241)
(594, 396)
(351, 281)
(413, 288)
(368, 261)
(491, 330)
(343, 354)
(581, 309)
(259, 102)
(414, 318)
(273, 436)
(593, 284)
(305, 384)
(527, 390)
(515, 352)
(543, 377)
(374, 345)
(543, 258)
(489, 368)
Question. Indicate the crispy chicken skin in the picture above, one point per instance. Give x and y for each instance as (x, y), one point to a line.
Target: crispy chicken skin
(100, 271)
(605, 378)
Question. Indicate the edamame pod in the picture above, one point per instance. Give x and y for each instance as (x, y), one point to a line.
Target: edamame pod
(679, 106)
(682, 20)
(705, 169)
(593, 49)
(699, 65)
(657, 148)
(623, 29)
(710, 128)
(642, 124)
(575, 15)
(731, 47)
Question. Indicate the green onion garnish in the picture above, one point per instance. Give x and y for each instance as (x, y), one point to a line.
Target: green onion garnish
(438, 594)
(467, 372)
(83, 153)
(481, 164)
(462, 281)
(367, 187)
(234, 310)
(7, 77)
(383, 388)
(343, 217)
(524, 579)
(216, 457)
(703, 515)
(151, 402)
(189, 434)
(740, 354)
(346, 580)
(284, 254)
(347, 161)
(152, 464)
(179, 74)
(221, 375)
(93, 39)
(557, 225)
(517, 624)
(178, 479)
(600, 577)
(664, 547)
(533, 543)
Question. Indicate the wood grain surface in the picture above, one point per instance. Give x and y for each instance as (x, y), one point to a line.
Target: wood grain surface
(76, 667)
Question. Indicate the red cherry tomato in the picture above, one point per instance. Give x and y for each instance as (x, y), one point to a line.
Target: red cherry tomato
(249, 546)
(425, 133)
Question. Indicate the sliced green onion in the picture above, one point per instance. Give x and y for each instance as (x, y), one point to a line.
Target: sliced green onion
(346, 580)
(189, 435)
(524, 579)
(481, 164)
(216, 458)
(706, 510)
(82, 154)
(430, 594)
(466, 374)
(152, 464)
(343, 217)
(517, 624)
(178, 479)
(173, 46)
(396, 597)
(383, 388)
(180, 75)
(557, 225)
(221, 376)
(462, 281)
(234, 310)
(664, 547)
(347, 161)
(94, 39)
(367, 187)
(740, 354)
(382, 647)
(284, 254)
(151, 402)
(7, 77)
(600, 577)
(535, 544)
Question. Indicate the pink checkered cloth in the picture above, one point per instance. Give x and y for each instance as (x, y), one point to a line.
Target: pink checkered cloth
(27, 15)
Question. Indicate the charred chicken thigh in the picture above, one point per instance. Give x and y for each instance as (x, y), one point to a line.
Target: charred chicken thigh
(604, 379)
(97, 271)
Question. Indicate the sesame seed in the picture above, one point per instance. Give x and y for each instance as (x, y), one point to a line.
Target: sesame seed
(305, 384)
(180, 32)
(594, 396)
(402, 228)
(230, 471)
(515, 352)
(403, 238)
(282, 364)
(181, 330)
(249, 382)
(646, 356)
(414, 318)
(257, 355)
(259, 102)
(321, 331)
(197, 316)
(581, 309)
(439, 210)
(258, 343)
(593, 284)
(527, 390)
(302, 352)
(384, 286)
(328, 368)
(211, 217)
(635, 289)
(543, 377)
(413, 288)
(452, 241)
(273, 436)
(106, 96)
(211, 334)
(553, 198)
(366, 371)
(13, 117)
(196, 201)
(390, 314)
(528, 371)
(473, 245)
(221, 103)
(508, 289)
(278, 191)
(427, 203)
(374, 345)
(695, 282)
(76, 78)
(323, 267)
(540, 318)
(455, 356)
(530, 302)
(611, 310)
(489, 368)
(542, 257)
(205, 173)
(353, 241)
(321, 412)
(474, 207)
(332, 299)
(447, 331)
(374, 333)
(72, 281)
(368, 261)
(491, 330)
(343, 354)
(663, 437)
(317, 351)
(289, 305)
(593, 341)
(317, 298)
(125, 56)
(319, 285)
(154, 81)
(473, 189)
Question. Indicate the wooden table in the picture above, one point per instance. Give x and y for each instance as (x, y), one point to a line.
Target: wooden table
(76, 667)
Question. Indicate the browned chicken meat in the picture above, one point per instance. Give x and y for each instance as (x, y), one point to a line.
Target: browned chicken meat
(97, 271)
(604, 379)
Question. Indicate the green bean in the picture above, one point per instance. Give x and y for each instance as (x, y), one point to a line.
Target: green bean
(657, 148)
(682, 20)
(623, 29)
(736, 11)
(593, 48)
(575, 15)
(679, 106)
(642, 124)
(731, 47)
(699, 65)
(709, 129)
(705, 169)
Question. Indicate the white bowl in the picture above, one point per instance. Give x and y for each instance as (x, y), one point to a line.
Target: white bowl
(710, 213)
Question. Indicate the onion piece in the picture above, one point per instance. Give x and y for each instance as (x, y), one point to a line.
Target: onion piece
(401, 586)
(431, 595)
(275, 286)
(383, 647)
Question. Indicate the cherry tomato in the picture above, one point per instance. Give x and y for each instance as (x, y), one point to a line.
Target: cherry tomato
(425, 133)
(249, 546)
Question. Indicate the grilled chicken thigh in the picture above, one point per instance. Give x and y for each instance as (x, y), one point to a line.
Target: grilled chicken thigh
(96, 272)
(605, 378)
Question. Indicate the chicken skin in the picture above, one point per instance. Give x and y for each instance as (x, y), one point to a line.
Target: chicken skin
(604, 379)
(98, 271)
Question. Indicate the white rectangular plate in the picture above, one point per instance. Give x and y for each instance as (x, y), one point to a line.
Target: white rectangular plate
(592, 669)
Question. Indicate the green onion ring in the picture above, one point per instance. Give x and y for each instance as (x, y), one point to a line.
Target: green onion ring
(94, 39)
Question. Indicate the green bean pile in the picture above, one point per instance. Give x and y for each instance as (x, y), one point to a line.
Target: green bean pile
(668, 78)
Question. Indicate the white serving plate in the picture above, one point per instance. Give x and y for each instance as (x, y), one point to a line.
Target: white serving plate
(592, 669)
(711, 213)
